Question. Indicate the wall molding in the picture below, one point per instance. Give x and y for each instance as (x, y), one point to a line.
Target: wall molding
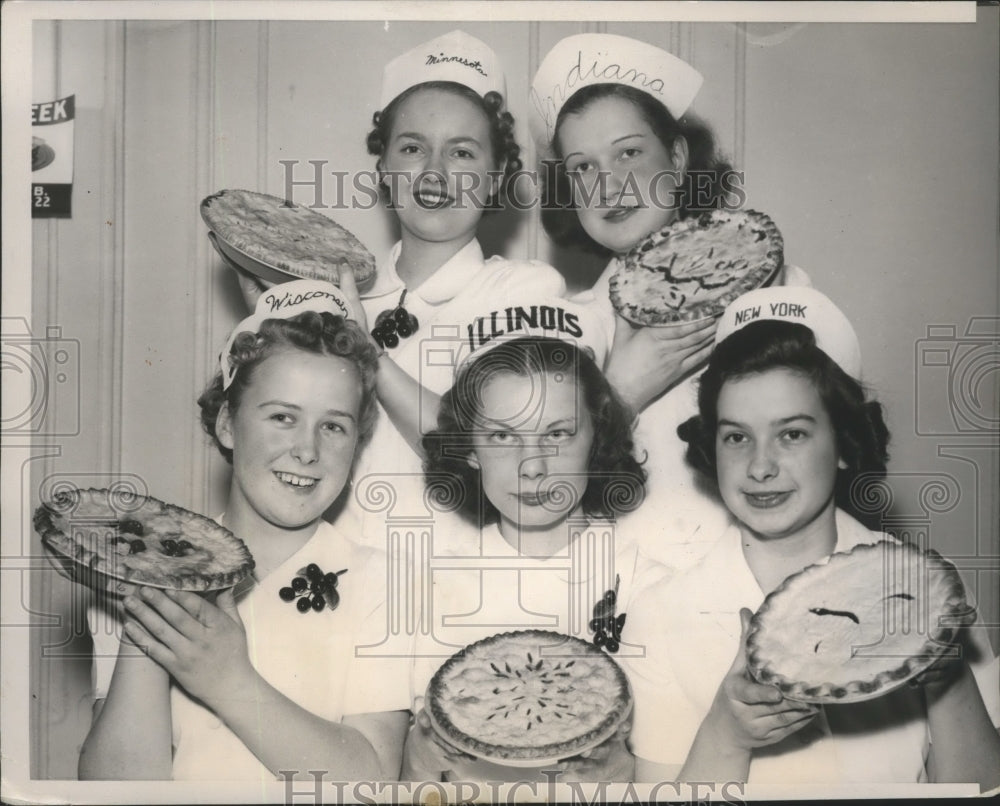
(263, 94)
(112, 299)
(202, 289)
(739, 94)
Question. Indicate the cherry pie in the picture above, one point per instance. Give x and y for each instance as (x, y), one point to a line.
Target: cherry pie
(119, 541)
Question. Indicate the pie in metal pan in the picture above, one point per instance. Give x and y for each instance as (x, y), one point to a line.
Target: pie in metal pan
(116, 541)
(858, 624)
(692, 269)
(528, 698)
(278, 240)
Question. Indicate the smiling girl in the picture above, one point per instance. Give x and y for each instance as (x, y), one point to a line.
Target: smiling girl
(784, 430)
(445, 150)
(612, 113)
(251, 684)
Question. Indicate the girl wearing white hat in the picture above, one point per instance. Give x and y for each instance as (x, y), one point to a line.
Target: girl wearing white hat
(784, 430)
(265, 678)
(445, 149)
(611, 105)
(538, 450)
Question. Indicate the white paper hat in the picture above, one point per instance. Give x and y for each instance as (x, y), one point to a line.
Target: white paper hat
(584, 59)
(455, 56)
(284, 301)
(540, 315)
(834, 333)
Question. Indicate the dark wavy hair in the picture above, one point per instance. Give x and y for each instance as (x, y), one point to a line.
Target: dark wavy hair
(503, 144)
(703, 187)
(617, 479)
(311, 332)
(862, 437)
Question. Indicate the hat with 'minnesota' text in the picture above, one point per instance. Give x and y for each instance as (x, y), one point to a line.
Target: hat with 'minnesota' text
(456, 57)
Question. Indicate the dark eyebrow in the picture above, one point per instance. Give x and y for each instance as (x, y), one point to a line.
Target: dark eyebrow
(286, 405)
(781, 421)
(277, 402)
(613, 142)
(785, 420)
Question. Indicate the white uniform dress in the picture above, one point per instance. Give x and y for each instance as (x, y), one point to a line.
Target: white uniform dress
(498, 590)
(310, 657)
(692, 625)
(388, 478)
(682, 516)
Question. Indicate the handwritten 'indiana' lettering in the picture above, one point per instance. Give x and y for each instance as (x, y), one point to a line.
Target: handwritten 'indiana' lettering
(613, 73)
(512, 320)
(442, 59)
(288, 300)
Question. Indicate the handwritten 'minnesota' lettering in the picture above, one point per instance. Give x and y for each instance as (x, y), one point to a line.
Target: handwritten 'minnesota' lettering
(442, 59)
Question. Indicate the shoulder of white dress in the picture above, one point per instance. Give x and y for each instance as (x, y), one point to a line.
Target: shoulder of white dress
(526, 276)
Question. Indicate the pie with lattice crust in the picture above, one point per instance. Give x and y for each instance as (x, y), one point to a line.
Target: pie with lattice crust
(857, 624)
(274, 238)
(528, 698)
(692, 269)
(107, 538)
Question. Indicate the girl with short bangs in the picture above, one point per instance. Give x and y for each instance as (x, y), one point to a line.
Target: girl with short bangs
(248, 683)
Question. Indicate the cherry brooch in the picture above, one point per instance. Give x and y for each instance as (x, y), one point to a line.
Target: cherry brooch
(606, 626)
(312, 589)
(394, 324)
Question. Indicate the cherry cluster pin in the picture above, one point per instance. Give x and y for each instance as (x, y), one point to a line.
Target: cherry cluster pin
(313, 589)
(606, 626)
(394, 324)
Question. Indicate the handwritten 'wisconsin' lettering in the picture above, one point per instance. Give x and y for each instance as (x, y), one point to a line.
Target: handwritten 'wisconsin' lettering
(288, 300)
(515, 319)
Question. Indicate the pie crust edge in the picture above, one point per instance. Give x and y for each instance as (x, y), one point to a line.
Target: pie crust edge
(708, 309)
(956, 608)
(56, 539)
(619, 708)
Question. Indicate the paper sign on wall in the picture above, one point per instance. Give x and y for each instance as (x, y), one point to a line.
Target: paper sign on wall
(52, 157)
